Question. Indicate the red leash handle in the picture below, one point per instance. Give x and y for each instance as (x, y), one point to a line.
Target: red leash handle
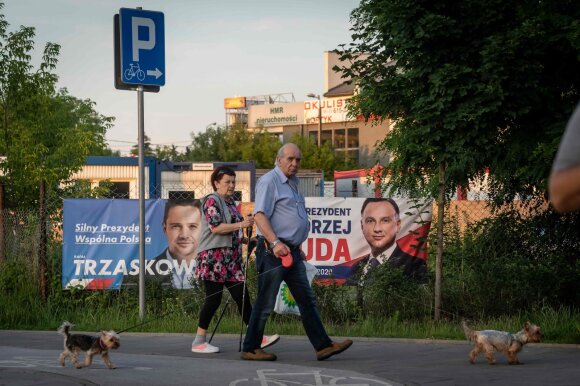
(286, 260)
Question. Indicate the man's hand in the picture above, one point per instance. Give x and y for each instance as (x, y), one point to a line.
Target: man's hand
(280, 250)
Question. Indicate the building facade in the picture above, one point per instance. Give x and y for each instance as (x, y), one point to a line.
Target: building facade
(163, 179)
(326, 113)
(178, 180)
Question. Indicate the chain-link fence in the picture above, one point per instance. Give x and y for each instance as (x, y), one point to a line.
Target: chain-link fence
(20, 235)
(495, 262)
(20, 229)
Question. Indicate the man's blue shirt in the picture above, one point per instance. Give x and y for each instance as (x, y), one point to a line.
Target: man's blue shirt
(279, 199)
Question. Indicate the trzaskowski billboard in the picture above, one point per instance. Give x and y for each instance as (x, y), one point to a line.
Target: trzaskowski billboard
(101, 243)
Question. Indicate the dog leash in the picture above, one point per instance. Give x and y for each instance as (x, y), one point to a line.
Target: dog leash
(207, 297)
(411, 300)
(215, 294)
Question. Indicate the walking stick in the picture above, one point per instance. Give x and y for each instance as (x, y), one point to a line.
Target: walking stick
(249, 236)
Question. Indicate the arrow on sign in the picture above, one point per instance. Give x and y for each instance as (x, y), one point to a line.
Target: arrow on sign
(156, 73)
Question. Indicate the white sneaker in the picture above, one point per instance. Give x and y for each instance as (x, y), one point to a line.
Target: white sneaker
(205, 348)
(267, 341)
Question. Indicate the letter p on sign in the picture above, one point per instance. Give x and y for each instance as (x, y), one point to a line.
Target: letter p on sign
(137, 44)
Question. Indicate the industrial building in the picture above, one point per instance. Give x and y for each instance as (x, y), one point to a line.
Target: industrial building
(166, 179)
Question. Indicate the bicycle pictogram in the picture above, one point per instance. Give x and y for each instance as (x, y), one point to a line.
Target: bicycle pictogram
(268, 377)
(134, 70)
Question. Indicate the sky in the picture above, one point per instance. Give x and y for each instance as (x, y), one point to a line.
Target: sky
(213, 50)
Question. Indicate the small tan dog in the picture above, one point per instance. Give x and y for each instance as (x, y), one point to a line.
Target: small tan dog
(91, 345)
(510, 344)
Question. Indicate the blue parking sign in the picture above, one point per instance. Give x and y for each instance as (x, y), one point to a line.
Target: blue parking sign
(142, 47)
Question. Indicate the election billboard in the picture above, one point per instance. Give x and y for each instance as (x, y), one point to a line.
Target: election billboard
(337, 243)
(101, 239)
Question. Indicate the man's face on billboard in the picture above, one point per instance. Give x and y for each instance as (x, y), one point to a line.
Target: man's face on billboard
(380, 225)
(182, 230)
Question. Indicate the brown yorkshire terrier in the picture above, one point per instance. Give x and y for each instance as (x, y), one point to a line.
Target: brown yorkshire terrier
(91, 345)
(505, 342)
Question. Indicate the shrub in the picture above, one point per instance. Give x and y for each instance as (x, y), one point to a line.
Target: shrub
(513, 262)
(387, 292)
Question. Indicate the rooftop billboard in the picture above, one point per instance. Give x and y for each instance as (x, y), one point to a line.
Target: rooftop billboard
(276, 114)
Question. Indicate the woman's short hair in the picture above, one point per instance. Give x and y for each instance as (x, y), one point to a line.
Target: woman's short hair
(219, 173)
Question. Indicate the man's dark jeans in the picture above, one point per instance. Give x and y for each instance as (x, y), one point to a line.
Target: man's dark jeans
(271, 273)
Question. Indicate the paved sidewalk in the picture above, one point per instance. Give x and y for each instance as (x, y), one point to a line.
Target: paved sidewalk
(31, 358)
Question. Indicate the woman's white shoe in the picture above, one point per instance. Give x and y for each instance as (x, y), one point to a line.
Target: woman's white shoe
(205, 348)
(267, 341)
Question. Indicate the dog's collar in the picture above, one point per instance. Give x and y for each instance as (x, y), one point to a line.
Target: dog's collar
(103, 347)
(520, 337)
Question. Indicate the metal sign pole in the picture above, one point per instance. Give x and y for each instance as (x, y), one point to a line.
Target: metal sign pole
(140, 66)
(141, 119)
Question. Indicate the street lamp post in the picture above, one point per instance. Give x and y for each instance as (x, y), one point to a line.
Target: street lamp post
(312, 95)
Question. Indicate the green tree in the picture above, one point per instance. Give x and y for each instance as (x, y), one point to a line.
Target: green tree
(264, 147)
(147, 149)
(237, 144)
(469, 85)
(107, 151)
(233, 144)
(45, 135)
(325, 158)
(166, 152)
(205, 145)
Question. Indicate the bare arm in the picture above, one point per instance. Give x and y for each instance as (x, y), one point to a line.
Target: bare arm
(565, 189)
(265, 227)
(564, 184)
(224, 228)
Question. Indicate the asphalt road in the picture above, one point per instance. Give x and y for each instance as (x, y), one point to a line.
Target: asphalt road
(31, 358)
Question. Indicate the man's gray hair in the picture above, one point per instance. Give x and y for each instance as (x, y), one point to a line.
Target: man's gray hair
(281, 151)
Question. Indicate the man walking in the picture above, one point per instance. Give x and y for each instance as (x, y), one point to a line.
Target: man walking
(280, 214)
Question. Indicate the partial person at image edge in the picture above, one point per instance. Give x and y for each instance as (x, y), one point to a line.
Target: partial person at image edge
(564, 186)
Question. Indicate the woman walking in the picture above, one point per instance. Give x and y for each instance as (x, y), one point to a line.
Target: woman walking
(219, 258)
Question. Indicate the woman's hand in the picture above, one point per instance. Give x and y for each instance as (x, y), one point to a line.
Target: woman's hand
(247, 222)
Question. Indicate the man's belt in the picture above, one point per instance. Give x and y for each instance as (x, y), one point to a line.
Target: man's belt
(292, 247)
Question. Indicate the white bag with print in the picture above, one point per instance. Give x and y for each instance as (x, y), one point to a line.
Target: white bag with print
(285, 303)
